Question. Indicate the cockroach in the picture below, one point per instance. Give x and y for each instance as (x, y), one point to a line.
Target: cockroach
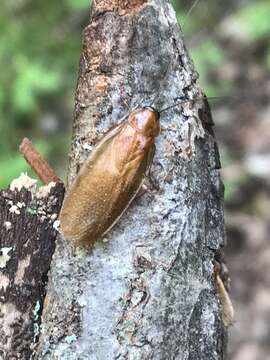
(110, 178)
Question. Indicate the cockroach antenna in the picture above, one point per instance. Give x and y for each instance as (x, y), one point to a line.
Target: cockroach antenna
(193, 100)
(161, 83)
(195, 3)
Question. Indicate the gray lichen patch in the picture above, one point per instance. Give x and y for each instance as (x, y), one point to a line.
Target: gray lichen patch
(45, 190)
(23, 181)
(4, 256)
(9, 315)
(36, 320)
(4, 282)
(31, 211)
(56, 225)
(70, 339)
(7, 225)
(20, 204)
(23, 264)
(14, 209)
(195, 129)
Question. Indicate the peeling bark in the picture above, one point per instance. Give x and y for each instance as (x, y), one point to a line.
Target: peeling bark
(27, 242)
(147, 290)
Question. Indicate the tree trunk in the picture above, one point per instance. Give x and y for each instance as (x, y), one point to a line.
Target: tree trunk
(147, 291)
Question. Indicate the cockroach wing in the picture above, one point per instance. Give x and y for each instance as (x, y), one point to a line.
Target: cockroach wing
(104, 187)
(133, 191)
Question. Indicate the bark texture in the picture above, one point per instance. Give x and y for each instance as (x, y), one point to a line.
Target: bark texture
(27, 242)
(147, 290)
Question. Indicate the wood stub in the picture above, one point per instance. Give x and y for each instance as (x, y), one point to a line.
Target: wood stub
(38, 164)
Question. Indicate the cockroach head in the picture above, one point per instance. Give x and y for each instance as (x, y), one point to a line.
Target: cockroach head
(145, 121)
(153, 110)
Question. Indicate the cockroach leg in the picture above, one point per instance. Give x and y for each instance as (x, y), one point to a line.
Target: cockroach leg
(142, 190)
(153, 182)
(222, 281)
(221, 268)
(125, 102)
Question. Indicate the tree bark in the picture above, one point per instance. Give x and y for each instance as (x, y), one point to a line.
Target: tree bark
(27, 242)
(147, 291)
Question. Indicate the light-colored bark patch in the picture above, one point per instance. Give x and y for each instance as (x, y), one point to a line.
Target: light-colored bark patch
(22, 266)
(8, 316)
(4, 282)
(45, 190)
(4, 256)
(7, 225)
(23, 181)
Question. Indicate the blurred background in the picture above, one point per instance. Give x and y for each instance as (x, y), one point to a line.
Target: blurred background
(229, 42)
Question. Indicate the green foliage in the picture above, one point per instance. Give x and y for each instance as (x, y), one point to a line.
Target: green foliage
(255, 19)
(208, 56)
(39, 54)
(188, 25)
(40, 45)
(32, 79)
(12, 165)
(79, 4)
(230, 190)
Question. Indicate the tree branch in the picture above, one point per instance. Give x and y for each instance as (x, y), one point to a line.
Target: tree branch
(148, 291)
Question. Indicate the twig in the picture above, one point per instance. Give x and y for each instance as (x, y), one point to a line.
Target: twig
(37, 163)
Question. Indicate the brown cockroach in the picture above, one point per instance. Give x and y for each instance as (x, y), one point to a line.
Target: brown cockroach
(110, 178)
